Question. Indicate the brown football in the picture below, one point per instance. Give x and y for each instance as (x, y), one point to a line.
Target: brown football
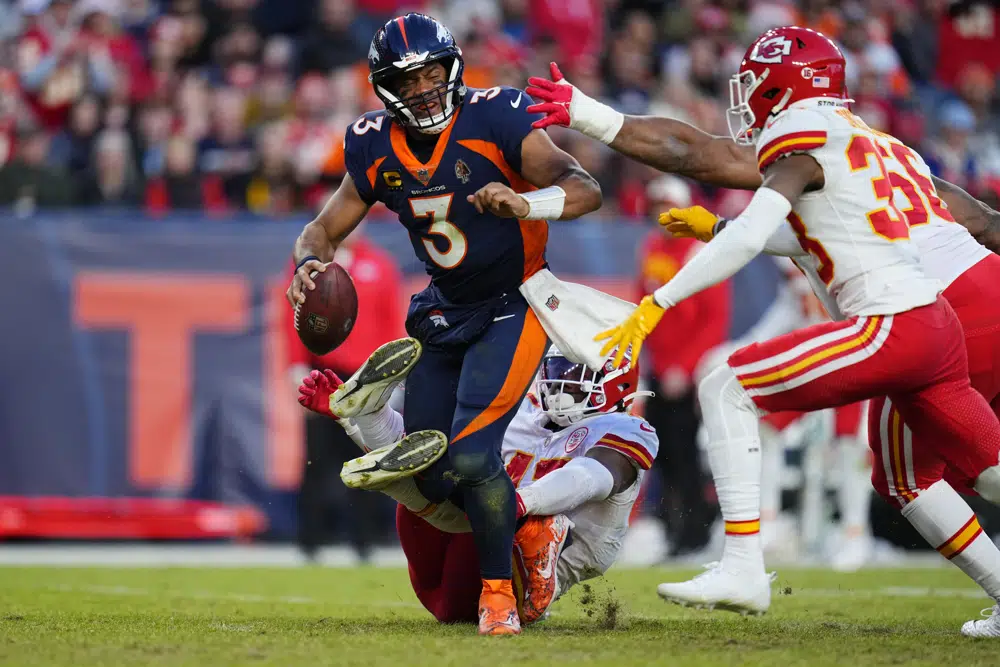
(326, 318)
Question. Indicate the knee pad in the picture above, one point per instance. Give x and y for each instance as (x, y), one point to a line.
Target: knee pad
(988, 484)
(726, 407)
(474, 465)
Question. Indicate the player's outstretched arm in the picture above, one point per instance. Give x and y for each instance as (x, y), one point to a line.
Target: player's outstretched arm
(981, 220)
(678, 148)
(663, 143)
(320, 238)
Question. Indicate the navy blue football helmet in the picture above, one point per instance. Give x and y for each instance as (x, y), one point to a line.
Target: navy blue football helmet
(410, 42)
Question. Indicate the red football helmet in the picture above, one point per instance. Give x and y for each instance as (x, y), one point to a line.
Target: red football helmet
(570, 392)
(781, 67)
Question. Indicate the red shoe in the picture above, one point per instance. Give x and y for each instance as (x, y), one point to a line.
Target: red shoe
(540, 541)
(498, 609)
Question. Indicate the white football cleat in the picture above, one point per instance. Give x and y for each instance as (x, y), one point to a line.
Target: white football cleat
(381, 467)
(369, 389)
(987, 627)
(718, 588)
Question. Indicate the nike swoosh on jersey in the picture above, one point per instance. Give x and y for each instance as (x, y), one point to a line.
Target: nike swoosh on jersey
(516, 103)
(505, 317)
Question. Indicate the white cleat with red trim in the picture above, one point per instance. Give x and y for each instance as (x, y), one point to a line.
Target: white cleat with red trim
(719, 588)
(988, 627)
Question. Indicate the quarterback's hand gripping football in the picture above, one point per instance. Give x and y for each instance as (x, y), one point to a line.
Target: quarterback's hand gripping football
(316, 389)
(692, 222)
(557, 99)
(632, 331)
(302, 280)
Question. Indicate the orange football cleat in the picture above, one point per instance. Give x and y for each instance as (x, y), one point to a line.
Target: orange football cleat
(498, 608)
(540, 541)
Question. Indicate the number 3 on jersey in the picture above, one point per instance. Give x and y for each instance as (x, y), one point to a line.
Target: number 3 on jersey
(437, 209)
(888, 222)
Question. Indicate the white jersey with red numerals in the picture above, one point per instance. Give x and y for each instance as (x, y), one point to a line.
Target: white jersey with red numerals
(946, 248)
(531, 451)
(855, 225)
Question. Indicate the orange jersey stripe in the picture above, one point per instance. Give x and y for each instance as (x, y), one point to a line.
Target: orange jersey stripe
(633, 450)
(492, 152)
(834, 349)
(534, 237)
(961, 539)
(789, 143)
(527, 356)
(743, 527)
(372, 171)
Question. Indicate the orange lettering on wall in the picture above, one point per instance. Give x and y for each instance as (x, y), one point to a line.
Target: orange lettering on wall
(160, 313)
(282, 413)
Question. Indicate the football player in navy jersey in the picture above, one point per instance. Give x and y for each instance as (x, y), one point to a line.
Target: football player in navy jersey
(473, 184)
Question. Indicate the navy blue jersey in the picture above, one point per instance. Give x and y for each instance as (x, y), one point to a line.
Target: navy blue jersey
(470, 256)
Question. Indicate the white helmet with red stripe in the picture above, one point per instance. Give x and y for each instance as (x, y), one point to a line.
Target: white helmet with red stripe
(570, 391)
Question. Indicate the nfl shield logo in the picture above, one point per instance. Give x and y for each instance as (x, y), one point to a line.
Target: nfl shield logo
(552, 302)
(462, 171)
(318, 323)
(423, 176)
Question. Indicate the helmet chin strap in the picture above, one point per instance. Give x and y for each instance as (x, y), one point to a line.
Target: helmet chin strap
(782, 102)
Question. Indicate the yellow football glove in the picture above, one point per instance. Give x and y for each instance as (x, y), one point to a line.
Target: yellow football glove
(692, 222)
(632, 331)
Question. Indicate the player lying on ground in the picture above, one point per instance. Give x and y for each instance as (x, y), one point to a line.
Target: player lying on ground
(799, 128)
(456, 165)
(574, 453)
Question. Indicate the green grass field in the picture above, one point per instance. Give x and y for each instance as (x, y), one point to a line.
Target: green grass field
(369, 617)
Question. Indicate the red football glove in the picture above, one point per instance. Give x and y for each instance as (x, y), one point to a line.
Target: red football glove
(316, 389)
(556, 96)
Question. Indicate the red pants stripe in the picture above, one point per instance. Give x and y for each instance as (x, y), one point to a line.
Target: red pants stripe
(919, 359)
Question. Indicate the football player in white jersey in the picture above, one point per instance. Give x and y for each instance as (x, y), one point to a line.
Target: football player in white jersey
(855, 193)
(575, 455)
(821, 435)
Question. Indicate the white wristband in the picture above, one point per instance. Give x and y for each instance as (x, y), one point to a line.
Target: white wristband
(593, 118)
(545, 204)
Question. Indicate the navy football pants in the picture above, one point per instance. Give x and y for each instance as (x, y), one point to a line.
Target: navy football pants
(471, 393)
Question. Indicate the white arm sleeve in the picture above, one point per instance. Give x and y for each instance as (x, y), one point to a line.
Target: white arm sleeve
(732, 249)
(784, 243)
(580, 481)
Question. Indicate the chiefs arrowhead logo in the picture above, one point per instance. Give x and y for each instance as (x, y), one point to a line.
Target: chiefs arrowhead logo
(576, 438)
(772, 50)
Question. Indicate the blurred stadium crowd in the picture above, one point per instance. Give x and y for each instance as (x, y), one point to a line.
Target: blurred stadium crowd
(229, 105)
